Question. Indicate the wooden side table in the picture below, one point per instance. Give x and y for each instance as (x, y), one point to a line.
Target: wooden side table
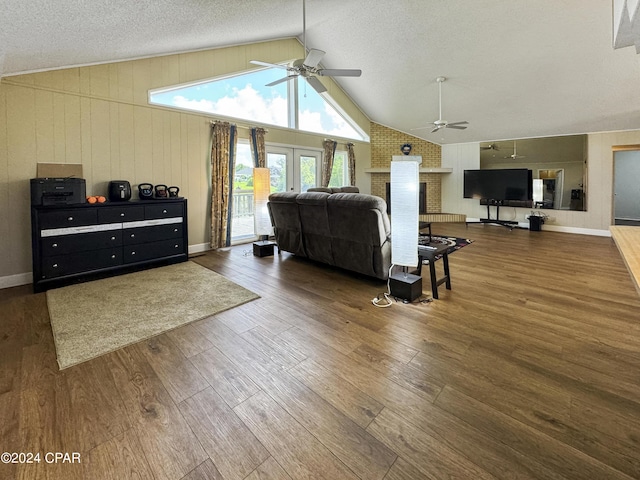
(429, 252)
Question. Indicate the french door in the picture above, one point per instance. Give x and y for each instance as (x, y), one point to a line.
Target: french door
(293, 169)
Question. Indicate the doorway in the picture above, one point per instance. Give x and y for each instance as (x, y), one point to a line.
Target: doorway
(293, 169)
(626, 188)
(551, 190)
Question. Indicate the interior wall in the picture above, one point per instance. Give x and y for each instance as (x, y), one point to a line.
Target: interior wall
(599, 192)
(99, 116)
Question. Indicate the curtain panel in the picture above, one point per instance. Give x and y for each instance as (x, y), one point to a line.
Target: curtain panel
(327, 161)
(223, 151)
(351, 157)
(258, 149)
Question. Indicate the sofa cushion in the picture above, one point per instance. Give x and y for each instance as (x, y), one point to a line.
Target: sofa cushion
(285, 218)
(360, 232)
(320, 189)
(345, 189)
(316, 234)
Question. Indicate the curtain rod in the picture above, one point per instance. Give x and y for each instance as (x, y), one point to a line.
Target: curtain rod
(213, 122)
(339, 143)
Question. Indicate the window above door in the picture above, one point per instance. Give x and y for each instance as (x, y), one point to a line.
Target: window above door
(292, 104)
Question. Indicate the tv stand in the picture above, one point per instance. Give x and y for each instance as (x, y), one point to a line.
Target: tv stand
(510, 224)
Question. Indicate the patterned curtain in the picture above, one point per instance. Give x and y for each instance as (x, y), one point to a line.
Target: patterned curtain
(327, 161)
(351, 154)
(258, 150)
(223, 151)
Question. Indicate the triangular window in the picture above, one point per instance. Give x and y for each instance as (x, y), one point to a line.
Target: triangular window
(246, 97)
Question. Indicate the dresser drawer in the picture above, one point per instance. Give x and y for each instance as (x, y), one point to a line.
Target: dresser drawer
(67, 218)
(152, 234)
(75, 242)
(122, 213)
(65, 244)
(61, 265)
(152, 250)
(165, 210)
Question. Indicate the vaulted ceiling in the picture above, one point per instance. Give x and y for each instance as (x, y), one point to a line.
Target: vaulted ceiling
(514, 69)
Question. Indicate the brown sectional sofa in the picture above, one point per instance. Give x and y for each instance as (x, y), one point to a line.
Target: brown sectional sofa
(346, 230)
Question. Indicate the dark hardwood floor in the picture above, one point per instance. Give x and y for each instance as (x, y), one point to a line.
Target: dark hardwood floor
(529, 368)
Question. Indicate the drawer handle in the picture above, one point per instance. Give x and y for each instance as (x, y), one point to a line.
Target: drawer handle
(133, 253)
(175, 230)
(55, 265)
(55, 245)
(133, 235)
(175, 246)
(122, 214)
(113, 256)
(164, 211)
(70, 219)
(113, 238)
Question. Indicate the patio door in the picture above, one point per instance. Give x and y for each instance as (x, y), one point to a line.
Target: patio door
(293, 169)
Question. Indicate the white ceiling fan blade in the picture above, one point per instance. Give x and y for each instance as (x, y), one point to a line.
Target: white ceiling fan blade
(266, 64)
(458, 123)
(339, 72)
(283, 79)
(457, 127)
(436, 129)
(313, 58)
(316, 84)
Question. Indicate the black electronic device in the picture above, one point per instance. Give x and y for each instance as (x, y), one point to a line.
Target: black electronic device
(499, 186)
(58, 191)
(173, 191)
(119, 191)
(161, 191)
(145, 191)
(405, 286)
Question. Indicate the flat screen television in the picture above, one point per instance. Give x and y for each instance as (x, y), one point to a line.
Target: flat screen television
(499, 184)
(422, 206)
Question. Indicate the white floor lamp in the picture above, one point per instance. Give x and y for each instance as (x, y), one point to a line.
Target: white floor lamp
(261, 219)
(405, 191)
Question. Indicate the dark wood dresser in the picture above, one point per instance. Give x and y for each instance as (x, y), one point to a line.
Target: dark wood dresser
(74, 243)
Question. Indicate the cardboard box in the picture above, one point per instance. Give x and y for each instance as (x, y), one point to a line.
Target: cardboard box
(59, 170)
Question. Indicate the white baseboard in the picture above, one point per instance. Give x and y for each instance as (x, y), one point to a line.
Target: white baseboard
(577, 230)
(560, 228)
(202, 247)
(16, 280)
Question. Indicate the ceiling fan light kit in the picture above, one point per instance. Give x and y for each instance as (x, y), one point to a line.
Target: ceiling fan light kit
(308, 67)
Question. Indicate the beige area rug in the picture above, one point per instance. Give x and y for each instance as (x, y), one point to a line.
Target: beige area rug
(94, 318)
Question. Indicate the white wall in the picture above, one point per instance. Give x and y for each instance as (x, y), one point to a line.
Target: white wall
(599, 192)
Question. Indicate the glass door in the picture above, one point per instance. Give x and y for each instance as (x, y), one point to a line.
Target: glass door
(306, 169)
(293, 169)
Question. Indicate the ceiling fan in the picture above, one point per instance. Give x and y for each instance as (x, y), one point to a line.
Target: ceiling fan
(491, 146)
(515, 155)
(440, 123)
(308, 67)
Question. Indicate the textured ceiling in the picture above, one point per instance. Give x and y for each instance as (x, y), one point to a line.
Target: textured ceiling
(515, 69)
